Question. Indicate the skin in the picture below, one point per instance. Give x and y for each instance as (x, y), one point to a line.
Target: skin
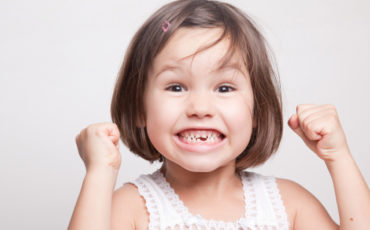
(201, 102)
(189, 92)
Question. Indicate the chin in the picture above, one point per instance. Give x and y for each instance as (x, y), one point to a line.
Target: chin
(200, 167)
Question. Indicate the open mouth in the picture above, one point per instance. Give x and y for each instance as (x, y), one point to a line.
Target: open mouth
(200, 136)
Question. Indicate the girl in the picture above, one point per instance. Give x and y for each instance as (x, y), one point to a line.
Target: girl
(197, 91)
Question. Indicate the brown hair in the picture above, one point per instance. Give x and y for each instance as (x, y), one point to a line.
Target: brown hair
(127, 108)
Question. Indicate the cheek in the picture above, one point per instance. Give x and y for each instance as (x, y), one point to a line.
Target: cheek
(238, 113)
(161, 114)
(238, 117)
(161, 119)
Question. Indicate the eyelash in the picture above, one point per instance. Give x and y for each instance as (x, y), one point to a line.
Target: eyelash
(176, 88)
(171, 87)
(229, 88)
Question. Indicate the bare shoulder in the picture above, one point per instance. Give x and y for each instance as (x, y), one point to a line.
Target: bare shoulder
(128, 209)
(304, 210)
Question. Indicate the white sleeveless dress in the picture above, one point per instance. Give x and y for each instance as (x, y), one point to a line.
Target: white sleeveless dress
(264, 209)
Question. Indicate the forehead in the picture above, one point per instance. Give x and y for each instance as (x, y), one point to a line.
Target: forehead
(186, 44)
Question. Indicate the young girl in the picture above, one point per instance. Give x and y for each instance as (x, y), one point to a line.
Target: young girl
(197, 91)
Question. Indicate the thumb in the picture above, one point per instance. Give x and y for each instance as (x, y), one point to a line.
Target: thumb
(294, 125)
(114, 140)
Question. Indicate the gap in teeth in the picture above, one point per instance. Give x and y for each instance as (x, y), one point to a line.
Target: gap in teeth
(200, 136)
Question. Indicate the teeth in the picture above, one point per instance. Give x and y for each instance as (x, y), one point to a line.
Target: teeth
(199, 136)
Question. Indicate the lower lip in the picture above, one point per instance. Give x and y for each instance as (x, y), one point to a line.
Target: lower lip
(199, 147)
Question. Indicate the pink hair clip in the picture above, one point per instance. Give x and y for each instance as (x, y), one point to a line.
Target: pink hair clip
(166, 25)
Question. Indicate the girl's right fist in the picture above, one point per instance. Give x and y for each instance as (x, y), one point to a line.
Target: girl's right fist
(98, 146)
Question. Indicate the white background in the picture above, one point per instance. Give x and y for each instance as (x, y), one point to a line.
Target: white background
(59, 61)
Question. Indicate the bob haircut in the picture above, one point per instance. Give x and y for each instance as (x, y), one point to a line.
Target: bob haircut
(127, 107)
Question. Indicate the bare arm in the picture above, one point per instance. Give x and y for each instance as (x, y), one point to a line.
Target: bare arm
(93, 207)
(305, 212)
(98, 147)
(128, 209)
(320, 129)
(352, 193)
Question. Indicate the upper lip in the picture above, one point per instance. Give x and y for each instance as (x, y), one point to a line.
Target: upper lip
(200, 128)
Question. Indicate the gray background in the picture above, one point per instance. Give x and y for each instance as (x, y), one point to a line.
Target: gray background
(59, 61)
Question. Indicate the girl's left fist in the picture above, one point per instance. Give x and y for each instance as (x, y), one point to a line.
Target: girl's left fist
(320, 129)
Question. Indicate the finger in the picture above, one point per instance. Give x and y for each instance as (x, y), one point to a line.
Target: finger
(323, 114)
(293, 122)
(303, 107)
(116, 134)
(313, 129)
(313, 119)
(114, 140)
(114, 130)
(319, 124)
(107, 128)
(307, 111)
(294, 125)
(303, 113)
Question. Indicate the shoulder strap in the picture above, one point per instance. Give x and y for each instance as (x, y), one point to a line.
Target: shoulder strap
(269, 208)
(161, 213)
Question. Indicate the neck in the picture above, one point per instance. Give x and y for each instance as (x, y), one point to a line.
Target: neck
(213, 182)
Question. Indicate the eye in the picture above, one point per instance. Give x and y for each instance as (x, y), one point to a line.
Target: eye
(225, 89)
(175, 88)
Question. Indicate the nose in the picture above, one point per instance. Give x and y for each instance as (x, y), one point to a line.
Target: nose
(199, 105)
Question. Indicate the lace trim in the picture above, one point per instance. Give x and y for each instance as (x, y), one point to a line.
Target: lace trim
(250, 196)
(196, 222)
(190, 219)
(277, 203)
(150, 202)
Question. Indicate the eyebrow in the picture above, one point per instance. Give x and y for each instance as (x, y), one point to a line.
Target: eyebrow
(229, 65)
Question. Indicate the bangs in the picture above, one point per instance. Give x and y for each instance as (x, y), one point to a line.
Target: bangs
(245, 43)
(235, 46)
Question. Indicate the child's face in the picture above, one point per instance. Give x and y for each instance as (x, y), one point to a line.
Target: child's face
(198, 117)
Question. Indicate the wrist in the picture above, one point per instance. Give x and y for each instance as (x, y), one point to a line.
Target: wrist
(102, 170)
(342, 157)
(105, 176)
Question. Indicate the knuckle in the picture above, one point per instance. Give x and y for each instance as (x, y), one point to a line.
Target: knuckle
(301, 108)
(304, 123)
(332, 118)
(90, 129)
(332, 112)
(310, 126)
(331, 107)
